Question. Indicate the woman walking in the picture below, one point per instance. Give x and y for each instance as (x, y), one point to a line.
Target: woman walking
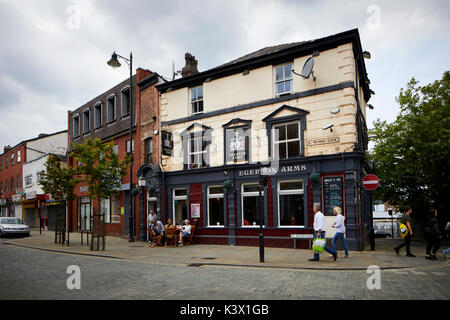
(340, 229)
(432, 235)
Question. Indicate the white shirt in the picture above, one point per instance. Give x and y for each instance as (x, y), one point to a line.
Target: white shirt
(319, 221)
(339, 223)
(151, 218)
(187, 228)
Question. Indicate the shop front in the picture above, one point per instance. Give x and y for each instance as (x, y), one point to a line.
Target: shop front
(223, 202)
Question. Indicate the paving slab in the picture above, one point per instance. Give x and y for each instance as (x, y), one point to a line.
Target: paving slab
(224, 255)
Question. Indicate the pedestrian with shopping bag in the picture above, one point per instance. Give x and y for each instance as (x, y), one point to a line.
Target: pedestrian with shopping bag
(319, 235)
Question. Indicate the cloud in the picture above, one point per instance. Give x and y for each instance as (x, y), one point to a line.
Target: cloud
(53, 53)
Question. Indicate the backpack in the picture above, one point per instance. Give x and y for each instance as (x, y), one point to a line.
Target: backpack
(403, 230)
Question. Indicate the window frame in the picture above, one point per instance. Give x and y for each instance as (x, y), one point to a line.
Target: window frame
(19, 156)
(12, 158)
(276, 82)
(96, 105)
(114, 108)
(30, 176)
(148, 142)
(196, 101)
(299, 139)
(125, 115)
(184, 197)
(88, 112)
(251, 194)
(76, 117)
(212, 196)
(291, 192)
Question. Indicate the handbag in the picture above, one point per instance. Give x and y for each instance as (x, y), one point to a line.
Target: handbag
(319, 245)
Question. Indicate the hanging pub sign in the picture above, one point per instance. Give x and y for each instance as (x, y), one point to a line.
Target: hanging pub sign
(333, 194)
(167, 143)
(237, 142)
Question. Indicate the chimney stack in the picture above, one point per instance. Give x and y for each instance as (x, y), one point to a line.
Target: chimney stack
(191, 65)
(6, 148)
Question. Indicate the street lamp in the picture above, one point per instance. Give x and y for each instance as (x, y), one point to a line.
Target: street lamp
(261, 185)
(114, 63)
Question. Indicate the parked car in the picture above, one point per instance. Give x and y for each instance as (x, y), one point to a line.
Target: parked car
(13, 226)
(382, 234)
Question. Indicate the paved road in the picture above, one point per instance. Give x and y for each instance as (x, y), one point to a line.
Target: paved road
(33, 274)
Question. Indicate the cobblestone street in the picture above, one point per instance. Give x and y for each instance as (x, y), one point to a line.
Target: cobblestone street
(32, 274)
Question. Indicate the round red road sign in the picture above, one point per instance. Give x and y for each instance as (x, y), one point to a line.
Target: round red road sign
(370, 182)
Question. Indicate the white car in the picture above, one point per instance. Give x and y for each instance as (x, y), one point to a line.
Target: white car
(13, 226)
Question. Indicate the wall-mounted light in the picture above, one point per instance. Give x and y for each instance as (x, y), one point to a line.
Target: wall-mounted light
(330, 126)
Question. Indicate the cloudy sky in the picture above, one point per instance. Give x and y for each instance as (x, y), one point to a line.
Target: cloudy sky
(53, 53)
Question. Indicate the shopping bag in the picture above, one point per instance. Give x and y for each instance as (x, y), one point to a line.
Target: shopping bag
(403, 230)
(319, 245)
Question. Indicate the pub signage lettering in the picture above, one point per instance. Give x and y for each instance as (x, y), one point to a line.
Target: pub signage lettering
(273, 170)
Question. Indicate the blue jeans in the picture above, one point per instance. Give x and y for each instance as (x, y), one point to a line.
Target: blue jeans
(331, 251)
(340, 236)
(447, 251)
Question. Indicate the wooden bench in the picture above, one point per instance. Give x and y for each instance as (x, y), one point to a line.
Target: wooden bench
(171, 237)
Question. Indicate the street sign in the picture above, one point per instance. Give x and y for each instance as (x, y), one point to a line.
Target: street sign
(370, 182)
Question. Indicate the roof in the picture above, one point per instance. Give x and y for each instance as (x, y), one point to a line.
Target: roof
(41, 136)
(274, 55)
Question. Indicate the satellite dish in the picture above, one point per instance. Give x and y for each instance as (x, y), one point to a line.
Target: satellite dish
(307, 69)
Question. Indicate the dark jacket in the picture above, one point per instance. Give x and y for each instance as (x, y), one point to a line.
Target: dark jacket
(432, 227)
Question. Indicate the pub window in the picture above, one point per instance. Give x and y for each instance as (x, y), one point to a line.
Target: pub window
(286, 140)
(283, 79)
(198, 152)
(12, 158)
(290, 203)
(215, 207)
(76, 126)
(197, 100)
(237, 145)
(148, 150)
(179, 205)
(125, 101)
(250, 195)
(98, 121)
(111, 108)
(86, 121)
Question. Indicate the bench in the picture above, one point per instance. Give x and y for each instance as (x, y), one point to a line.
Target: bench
(296, 236)
(187, 240)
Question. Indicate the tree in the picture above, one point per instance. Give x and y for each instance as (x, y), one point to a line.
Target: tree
(411, 155)
(59, 181)
(100, 167)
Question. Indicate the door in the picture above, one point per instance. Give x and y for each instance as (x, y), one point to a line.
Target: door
(30, 217)
(85, 213)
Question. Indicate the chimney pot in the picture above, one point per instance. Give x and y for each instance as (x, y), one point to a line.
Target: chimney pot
(191, 65)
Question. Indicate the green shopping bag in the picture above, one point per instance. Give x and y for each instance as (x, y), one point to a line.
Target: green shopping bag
(319, 245)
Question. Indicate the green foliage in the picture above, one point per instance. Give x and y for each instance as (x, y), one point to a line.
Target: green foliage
(412, 154)
(100, 167)
(58, 180)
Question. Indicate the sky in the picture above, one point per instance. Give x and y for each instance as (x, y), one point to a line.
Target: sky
(53, 53)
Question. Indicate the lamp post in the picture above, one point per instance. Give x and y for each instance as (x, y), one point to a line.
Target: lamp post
(262, 184)
(142, 182)
(114, 63)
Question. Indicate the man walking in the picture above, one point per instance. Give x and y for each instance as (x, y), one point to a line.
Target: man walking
(319, 232)
(406, 220)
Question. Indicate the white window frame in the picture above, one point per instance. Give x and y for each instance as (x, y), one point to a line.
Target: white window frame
(250, 194)
(18, 156)
(274, 142)
(126, 115)
(99, 103)
(30, 184)
(12, 158)
(178, 198)
(202, 152)
(289, 192)
(275, 82)
(191, 102)
(107, 108)
(212, 196)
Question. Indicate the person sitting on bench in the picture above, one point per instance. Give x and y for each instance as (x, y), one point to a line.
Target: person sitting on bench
(158, 230)
(184, 232)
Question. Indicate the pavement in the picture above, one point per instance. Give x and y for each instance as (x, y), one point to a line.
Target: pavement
(223, 255)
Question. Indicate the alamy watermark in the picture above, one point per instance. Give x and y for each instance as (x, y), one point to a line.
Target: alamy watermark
(73, 21)
(74, 280)
(374, 19)
(374, 281)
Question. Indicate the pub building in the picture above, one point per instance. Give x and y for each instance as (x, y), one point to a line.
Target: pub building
(292, 113)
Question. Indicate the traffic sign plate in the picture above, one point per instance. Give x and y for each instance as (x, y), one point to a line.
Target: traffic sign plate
(370, 182)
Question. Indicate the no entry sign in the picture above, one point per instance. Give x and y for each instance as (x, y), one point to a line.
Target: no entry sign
(370, 182)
